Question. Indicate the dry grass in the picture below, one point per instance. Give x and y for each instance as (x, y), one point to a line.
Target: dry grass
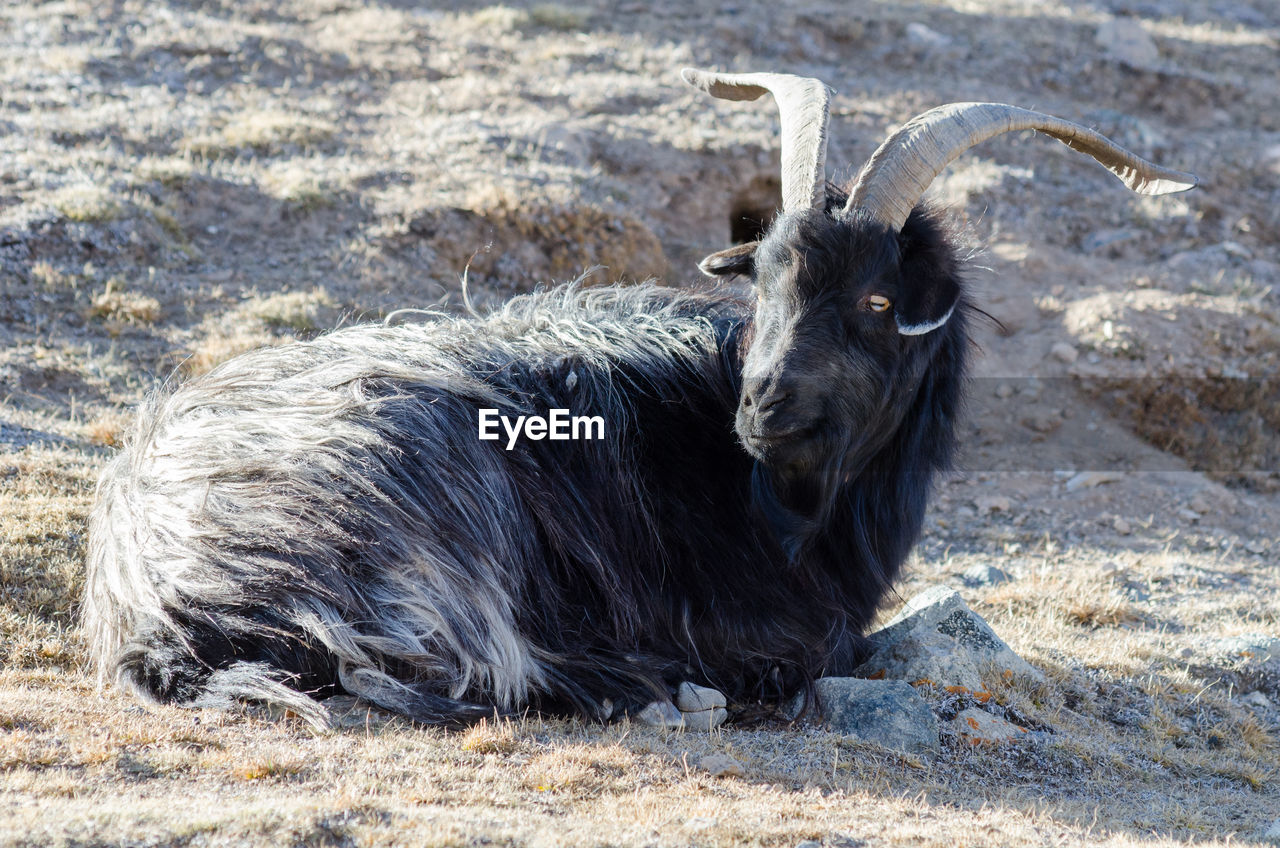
(130, 307)
(283, 166)
(261, 131)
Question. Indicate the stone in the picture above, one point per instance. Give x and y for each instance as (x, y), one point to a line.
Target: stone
(924, 36)
(1125, 41)
(1257, 699)
(992, 503)
(1251, 648)
(660, 714)
(889, 713)
(936, 639)
(691, 698)
(1100, 239)
(979, 727)
(346, 711)
(721, 765)
(984, 575)
(1089, 479)
(1272, 834)
(705, 719)
(1064, 352)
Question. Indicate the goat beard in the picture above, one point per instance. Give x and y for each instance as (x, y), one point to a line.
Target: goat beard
(797, 501)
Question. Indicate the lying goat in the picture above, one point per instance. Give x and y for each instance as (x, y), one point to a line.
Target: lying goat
(323, 517)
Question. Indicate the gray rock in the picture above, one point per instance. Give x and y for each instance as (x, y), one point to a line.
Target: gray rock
(936, 638)
(1064, 352)
(984, 575)
(887, 712)
(660, 714)
(1252, 648)
(1272, 834)
(705, 719)
(721, 765)
(346, 711)
(1089, 479)
(691, 698)
(978, 727)
(924, 36)
(1256, 699)
(1127, 42)
(1099, 239)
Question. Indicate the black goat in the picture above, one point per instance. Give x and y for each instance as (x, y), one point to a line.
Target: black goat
(323, 516)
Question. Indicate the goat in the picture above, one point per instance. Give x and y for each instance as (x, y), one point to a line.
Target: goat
(321, 517)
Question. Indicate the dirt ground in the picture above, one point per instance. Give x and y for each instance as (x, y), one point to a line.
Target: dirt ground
(182, 181)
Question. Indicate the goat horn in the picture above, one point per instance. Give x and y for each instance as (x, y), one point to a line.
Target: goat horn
(805, 107)
(897, 174)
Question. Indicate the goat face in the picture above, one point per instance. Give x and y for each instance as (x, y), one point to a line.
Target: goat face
(822, 374)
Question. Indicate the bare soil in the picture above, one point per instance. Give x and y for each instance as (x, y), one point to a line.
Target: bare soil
(182, 181)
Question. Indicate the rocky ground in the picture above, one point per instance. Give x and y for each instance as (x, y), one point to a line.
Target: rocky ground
(183, 181)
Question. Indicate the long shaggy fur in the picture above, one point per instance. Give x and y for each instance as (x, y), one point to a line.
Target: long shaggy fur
(321, 517)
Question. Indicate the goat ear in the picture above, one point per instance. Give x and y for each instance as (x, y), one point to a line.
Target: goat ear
(931, 291)
(739, 259)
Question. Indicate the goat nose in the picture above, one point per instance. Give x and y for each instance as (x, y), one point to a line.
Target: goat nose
(779, 398)
(765, 394)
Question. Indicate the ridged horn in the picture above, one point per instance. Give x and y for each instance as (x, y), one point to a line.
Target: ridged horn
(805, 107)
(897, 174)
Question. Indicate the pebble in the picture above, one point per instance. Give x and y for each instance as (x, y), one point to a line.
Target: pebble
(721, 765)
(923, 36)
(705, 719)
(660, 714)
(984, 575)
(1253, 648)
(992, 503)
(1122, 527)
(1272, 834)
(1256, 699)
(691, 698)
(1125, 40)
(1064, 352)
(1100, 239)
(1004, 390)
(978, 727)
(1089, 479)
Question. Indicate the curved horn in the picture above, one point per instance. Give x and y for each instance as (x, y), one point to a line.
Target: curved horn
(804, 104)
(897, 174)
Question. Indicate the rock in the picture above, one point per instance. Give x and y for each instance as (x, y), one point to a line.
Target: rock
(1004, 390)
(1064, 352)
(691, 698)
(937, 639)
(1272, 834)
(346, 711)
(992, 503)
(1099, 239)
(978, 727)
(1257, 699)
(1122, 527)
(660, 714)
(984, 575)
(721, 765)
(887, 712)
(923, 36)
(1251, 648)
(1089, 479)
(705, 719)
(1127, 42)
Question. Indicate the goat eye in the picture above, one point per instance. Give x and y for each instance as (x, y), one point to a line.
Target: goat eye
(877, 303)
